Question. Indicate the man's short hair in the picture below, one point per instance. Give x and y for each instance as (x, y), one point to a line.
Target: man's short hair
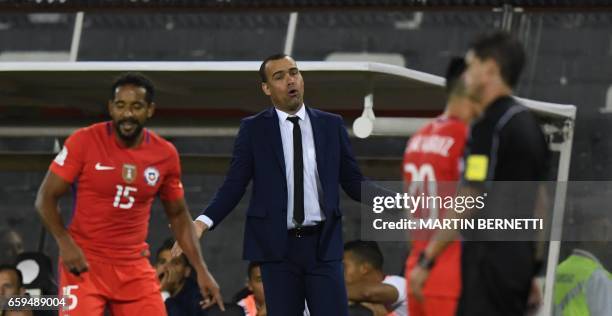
(10, 267)
(366, 252)
(136, 79)
(454, 71)
(505, 50)
(252, 266)
(262, 68)
(167, 245)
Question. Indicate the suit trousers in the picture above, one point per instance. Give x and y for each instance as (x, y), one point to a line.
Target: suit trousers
(300, 277)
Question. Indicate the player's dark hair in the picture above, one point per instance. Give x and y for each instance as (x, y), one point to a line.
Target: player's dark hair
(252, 266)
(505, 50)
(366, 251)
(454, 71)
(10, 267)
(136, 79)
(262, 68)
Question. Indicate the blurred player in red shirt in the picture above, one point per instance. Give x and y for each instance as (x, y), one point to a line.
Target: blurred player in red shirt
(116, 169)
(433, 155)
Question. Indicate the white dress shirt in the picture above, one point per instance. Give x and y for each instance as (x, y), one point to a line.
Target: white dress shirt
(312, 208)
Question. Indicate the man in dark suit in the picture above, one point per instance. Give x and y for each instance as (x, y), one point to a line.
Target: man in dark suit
(297, 158)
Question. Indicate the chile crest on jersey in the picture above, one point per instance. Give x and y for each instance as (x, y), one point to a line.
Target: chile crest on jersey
(151, 175)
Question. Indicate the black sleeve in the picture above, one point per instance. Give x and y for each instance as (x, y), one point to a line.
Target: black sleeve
(477, 158)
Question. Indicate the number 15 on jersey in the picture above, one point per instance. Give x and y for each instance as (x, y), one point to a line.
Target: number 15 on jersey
(124, 198)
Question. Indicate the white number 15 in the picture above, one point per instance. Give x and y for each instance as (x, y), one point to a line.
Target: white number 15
(123, 193)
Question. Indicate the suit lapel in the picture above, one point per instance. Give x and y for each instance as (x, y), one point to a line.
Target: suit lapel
(318, 132)
(273, 133)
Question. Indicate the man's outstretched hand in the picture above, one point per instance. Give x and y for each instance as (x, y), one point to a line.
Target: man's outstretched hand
(200, 229)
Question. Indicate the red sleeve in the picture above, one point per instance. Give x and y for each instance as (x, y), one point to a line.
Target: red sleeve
(69, 161)
(172, 188)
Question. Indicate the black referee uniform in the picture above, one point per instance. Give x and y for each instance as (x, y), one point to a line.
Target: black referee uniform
(506, 144)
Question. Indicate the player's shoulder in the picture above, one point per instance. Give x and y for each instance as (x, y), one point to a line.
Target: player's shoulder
(450, 124)
(444, 126)
(88, 132)
(162, 145)
(425, 129)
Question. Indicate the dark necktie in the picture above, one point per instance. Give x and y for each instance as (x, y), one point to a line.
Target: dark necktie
(298, 172)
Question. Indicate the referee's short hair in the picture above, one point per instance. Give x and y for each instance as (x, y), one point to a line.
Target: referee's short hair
(454, 71)
(507, 52)
(10, 267)
(366, 252)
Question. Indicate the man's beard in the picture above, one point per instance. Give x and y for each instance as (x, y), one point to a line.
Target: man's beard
(294, 104)
(134, 135)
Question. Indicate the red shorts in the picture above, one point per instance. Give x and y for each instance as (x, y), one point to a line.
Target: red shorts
(432, 306)
(131, 289)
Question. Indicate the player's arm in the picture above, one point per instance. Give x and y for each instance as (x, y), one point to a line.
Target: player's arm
(47, 198)
(441, 240)
(372, 292)
(184, 232)
(231, 191)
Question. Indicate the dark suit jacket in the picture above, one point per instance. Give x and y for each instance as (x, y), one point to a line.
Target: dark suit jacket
(258, 156)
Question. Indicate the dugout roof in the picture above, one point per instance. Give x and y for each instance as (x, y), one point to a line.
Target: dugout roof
(217, 90)
(220, 86)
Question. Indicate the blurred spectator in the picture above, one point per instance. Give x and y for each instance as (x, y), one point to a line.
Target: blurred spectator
(11, 281)
(583, 287)
(180, 291)
(367, 284)
(11, 284)
(254, 304)
(11, 245)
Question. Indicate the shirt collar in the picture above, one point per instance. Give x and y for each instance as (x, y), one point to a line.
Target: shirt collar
(282, 116)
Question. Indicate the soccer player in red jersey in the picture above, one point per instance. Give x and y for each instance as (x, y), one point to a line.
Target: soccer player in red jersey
(116, 169)
(433, 155)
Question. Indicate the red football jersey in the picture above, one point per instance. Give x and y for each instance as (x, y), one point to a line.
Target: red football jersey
(114, 187)
(432, 155)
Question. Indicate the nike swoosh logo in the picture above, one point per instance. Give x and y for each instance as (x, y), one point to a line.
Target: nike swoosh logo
(99, 166)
